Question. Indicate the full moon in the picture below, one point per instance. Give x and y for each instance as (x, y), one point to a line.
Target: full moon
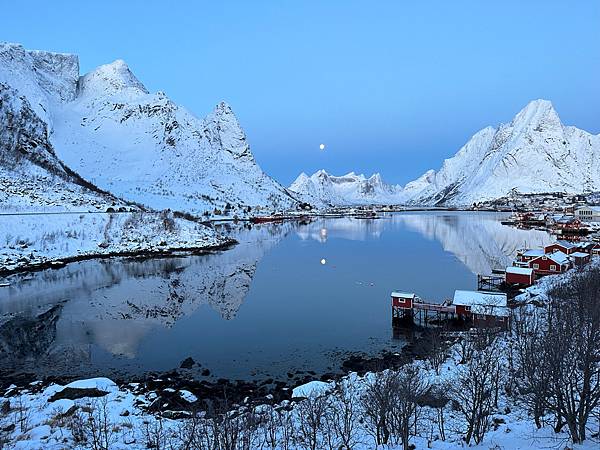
(323, 261)
(322, 146)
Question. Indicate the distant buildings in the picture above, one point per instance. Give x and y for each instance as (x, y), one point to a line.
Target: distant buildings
(588, 213)
(552, 259)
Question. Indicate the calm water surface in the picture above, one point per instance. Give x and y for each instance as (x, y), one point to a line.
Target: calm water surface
(288, 297)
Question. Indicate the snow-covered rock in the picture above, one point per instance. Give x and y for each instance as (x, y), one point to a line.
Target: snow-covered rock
(322, 189)
(534, 153)
(140, 146)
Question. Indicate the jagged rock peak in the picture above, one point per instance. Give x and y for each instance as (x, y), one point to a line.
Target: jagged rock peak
(110, 79)
(533, 153)
(41, 76)
(534, 114)
(222, 126)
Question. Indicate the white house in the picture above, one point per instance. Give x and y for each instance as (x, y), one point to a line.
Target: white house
(590, 213)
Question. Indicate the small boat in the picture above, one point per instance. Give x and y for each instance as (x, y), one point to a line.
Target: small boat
(4, 284)
(264, 219)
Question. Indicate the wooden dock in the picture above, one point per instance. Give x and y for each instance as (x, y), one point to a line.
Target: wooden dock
(492, 282)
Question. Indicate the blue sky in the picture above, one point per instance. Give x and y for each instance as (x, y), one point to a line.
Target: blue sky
(388, 86)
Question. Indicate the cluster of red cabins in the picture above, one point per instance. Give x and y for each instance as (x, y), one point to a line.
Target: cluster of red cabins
(556, 258)
(490, 308)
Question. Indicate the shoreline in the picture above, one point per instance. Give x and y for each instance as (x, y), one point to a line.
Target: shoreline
(258, 391)
(143, 253)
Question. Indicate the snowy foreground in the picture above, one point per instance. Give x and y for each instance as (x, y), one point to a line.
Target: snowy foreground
(33, 240)
(96, 413)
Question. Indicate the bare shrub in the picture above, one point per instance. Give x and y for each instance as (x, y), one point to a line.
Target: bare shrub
(390, 405)
(311, 414)
(100, 433)
(476, 391)
(155, 434)
(342, 418)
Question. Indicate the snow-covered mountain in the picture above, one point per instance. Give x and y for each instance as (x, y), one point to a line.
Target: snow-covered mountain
(32, 178)
(322, 189)
(140, 146)
(534, 153)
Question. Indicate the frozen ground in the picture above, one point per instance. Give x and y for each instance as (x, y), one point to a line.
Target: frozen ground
(30, 240)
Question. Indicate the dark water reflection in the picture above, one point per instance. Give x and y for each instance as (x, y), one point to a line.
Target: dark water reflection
(264, 308)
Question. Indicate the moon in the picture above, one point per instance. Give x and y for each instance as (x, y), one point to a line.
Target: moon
(322, 146)
(323, 261)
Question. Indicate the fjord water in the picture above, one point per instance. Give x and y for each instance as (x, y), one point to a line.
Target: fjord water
(288, 297)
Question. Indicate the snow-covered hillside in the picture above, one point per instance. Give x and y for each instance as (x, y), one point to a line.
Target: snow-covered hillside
(137, 145)
(33, 239)
(534, 153)
(322, 189)
(32, 178)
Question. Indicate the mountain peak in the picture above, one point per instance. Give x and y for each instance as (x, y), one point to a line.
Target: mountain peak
(534, 153)
(110, 79)
(534, 113)
(223, 108)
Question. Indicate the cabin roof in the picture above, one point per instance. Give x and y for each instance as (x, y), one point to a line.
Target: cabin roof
(489, 303)
(557, 257)
(564, 244)
(580, 255)
(403, 294)
(519, 270)
(533, 252)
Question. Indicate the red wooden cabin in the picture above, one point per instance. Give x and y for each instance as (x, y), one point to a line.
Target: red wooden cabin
(561, 246)
(555, 263)
(526, 255)
(521, 276)
(581, 258)
(403, 300)
(483, 308)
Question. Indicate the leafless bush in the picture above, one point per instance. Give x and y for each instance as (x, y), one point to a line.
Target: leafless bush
(271, 428)
(100, 432)
(377, 403)
(311, 414)
(22, 416)
(437, 347)
(530, 372)
(572, 353)
(390, 405)
(342, 418)
(155, 434)
(476, 391)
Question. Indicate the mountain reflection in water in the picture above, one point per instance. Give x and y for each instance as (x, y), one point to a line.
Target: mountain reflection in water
(266, 307)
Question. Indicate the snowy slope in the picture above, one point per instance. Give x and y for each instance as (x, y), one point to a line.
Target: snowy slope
(322, 189)
(534, 153)
(32, 178)
(31, 239)
(137, 145)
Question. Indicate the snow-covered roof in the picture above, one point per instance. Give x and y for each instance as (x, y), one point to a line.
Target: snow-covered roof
(489, 303)
(534, 252)
(519, 270)
(580, 255)
(565, 244)
(403, 294)
(558, 257)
